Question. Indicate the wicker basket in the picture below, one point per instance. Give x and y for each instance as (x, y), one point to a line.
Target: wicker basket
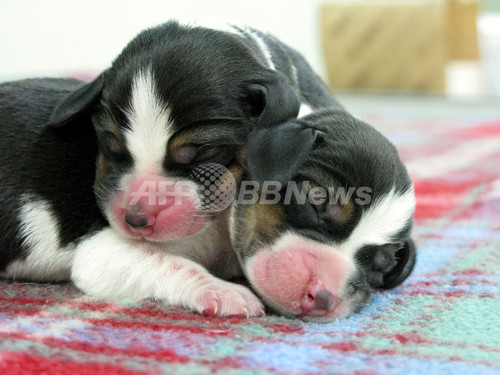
(403, 45)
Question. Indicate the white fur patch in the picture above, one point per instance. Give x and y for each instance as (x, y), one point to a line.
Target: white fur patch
(150, 125)
(108, 265)
(304, 110)
(47, 260)
(216, 24)
(295, 73)
(381, 221)
(231, 220)
(263, 47)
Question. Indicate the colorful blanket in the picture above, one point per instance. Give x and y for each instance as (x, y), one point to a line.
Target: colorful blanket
(445, 319)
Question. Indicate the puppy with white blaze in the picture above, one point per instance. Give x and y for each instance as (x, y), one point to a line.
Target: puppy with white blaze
(97, 181)
(332, 218)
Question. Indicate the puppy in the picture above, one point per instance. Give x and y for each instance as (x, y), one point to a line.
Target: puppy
(101, 181)
(324, 216)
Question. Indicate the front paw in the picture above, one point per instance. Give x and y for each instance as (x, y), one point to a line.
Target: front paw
(221, 299)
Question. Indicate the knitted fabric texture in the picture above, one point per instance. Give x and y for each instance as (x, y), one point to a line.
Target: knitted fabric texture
(445, 318)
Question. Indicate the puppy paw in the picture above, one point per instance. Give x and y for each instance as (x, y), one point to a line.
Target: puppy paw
(222, 299)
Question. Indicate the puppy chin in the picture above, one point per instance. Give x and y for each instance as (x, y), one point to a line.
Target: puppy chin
(342, 309)
(302, 278)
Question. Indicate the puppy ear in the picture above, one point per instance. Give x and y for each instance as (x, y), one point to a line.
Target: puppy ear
(274, 102)
(405, 258)
(77, 103)
(275, 153)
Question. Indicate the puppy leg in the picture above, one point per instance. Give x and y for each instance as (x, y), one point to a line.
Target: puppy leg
(107, 265)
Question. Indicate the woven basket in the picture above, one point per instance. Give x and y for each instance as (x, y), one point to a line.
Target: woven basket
(403, 45)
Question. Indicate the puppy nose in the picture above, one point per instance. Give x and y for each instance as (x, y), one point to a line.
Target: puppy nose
(317, 298)
(137, 218)
(138, 221)
(323, 299)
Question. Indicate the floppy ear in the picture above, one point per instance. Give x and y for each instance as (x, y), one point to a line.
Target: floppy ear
(273, 103)
(77, 103)
(275, 153)
(405, 258)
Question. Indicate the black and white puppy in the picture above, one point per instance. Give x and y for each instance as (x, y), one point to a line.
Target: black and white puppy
(325, 216)
(79, 164)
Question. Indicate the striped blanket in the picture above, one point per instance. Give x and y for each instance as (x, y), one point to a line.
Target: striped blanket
(445, 319)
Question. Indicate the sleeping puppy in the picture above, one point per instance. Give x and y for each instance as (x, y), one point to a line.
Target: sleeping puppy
(101, 181)
(324, 216)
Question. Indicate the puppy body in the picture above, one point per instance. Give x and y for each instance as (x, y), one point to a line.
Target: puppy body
(336, 222)
(75, 158)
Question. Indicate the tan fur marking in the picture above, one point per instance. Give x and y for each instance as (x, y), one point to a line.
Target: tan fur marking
(268, 221)
(102, 166)
(113, 128)
(241, 155)
(237, 171)
(347, 211)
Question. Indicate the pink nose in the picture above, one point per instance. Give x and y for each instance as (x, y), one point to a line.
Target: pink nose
(317, 299)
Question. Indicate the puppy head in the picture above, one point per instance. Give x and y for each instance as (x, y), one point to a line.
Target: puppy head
(332, 217)
(175, 100)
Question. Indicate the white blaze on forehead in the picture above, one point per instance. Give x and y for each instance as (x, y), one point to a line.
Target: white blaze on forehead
(384, 219)
(150, 124)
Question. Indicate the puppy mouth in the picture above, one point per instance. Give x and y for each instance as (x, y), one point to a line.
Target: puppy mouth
(144, 230)
(162, 212)
(162, 227)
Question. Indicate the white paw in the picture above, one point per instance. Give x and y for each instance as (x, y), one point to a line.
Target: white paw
(220, 298)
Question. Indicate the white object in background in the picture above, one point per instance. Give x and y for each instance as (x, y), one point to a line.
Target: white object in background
(489, 41)
(464, 79)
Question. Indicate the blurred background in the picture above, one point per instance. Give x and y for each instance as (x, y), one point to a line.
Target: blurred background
(445, 48)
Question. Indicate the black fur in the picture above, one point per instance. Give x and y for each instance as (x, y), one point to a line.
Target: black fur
(57, 165)
(275, 153)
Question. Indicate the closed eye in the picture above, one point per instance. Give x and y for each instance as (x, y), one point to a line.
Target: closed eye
(330, 212)
(112, 146)
(206, 152)
(189, 154)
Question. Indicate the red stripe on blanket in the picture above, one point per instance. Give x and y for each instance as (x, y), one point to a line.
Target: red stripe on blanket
(437, 198)
(28, 301)
(88, 347)
(25, 364)
(154, 326)
(482, 131)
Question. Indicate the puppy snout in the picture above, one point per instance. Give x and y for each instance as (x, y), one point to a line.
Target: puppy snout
(303, 278)
(157, 208)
